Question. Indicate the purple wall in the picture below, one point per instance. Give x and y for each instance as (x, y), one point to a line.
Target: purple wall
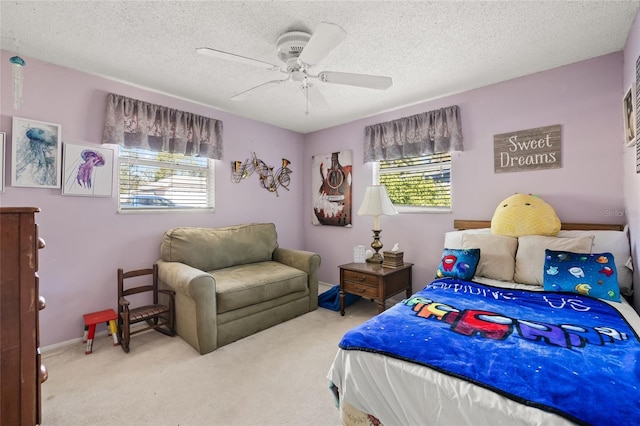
(584, 98)
(86, 239)
(631, 178)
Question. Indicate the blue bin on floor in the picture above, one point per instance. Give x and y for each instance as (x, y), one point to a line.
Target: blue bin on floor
(330, 299)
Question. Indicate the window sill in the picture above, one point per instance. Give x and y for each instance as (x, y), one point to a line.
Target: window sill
(417, 209)
(164, 210)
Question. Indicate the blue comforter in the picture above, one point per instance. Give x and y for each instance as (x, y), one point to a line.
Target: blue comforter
(565, 353)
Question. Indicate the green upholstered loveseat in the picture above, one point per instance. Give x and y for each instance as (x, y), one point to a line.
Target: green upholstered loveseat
(235, 281)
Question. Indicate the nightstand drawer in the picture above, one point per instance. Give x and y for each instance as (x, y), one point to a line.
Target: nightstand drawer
(360, 278)
(374, 281)
(361, 289)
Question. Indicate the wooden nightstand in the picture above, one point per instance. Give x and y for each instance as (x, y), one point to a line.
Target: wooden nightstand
(373, 281)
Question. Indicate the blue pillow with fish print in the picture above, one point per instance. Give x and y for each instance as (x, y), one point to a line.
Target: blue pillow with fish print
(458, 263)
(592, 274)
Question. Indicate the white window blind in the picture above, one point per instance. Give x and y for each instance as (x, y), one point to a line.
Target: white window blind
(417, 182)
(151, 180)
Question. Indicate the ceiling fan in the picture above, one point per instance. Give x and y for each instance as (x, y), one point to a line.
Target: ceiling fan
(299, 51)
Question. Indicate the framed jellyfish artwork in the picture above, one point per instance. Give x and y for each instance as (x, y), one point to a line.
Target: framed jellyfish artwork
(35, 153)
(87, 170)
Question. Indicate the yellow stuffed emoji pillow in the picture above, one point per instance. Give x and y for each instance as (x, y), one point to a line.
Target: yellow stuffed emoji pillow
(523, 214)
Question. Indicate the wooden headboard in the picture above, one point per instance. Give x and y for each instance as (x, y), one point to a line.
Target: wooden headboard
(461, 225)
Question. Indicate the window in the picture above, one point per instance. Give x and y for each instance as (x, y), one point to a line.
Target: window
(417, 183)
(151, 180)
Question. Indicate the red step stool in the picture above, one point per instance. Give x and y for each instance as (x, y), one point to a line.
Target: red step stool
(109, 317)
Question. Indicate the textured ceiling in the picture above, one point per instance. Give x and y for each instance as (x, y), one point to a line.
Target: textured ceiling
(429, 48)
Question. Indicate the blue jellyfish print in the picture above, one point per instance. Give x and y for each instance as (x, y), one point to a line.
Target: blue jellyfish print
(86, 170)
(36, 157)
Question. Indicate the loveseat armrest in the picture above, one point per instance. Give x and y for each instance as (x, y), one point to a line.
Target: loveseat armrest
(195, 303)
(184, 279)
(306, 261)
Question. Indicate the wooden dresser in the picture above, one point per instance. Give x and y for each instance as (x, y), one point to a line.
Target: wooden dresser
(21, 372)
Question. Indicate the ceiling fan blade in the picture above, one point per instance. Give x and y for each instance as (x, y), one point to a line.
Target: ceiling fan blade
(361, 80)
(326, 37)
(315, 97)
(257, 90)
(237, 58)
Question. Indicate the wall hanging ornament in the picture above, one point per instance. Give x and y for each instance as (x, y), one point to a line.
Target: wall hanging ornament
(269, 179)
(18, 63)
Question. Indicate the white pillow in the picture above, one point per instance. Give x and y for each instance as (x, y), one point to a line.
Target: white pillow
(616, 243)
(497, 254)
(453, 239)
(530, 256)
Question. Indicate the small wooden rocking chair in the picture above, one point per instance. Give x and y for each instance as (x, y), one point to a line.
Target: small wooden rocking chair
(160, 317)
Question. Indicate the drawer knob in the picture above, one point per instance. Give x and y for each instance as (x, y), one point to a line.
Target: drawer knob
(44, 374)
(41, 243)
(41, 303)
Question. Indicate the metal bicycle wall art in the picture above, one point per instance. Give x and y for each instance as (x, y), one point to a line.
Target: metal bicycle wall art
(269, 179)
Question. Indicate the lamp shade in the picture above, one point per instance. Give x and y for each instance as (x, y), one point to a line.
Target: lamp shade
(376, 202)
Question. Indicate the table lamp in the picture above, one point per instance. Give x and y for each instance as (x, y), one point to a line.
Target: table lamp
(376, 203)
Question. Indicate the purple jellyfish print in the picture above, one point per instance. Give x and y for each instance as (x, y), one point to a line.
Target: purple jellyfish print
(36, 157)
(86, 170)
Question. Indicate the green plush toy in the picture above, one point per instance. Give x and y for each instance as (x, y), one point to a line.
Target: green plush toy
(523, 214)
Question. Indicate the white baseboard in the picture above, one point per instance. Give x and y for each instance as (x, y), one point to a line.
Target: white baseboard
(99, 334)
(75, 341)
(322, 286)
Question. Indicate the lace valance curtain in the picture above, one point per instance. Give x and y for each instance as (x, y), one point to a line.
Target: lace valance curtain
(137, 124)
(421, 134)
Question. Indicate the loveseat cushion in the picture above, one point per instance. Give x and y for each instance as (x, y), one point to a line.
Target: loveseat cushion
(240, 286)
(217, 248)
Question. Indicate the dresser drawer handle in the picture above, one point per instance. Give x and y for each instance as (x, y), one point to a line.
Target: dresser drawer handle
(361, 289)
(44, 374)
(360, 277)
(41, 303)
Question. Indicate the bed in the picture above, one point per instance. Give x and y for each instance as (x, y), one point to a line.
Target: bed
(458, 352)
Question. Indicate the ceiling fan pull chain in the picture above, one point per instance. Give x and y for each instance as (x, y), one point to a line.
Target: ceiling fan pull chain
(306, 92)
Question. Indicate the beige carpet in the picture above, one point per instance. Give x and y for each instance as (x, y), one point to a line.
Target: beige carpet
(275, 377)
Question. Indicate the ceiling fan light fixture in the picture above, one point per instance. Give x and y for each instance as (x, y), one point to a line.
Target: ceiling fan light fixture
(298, 76)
